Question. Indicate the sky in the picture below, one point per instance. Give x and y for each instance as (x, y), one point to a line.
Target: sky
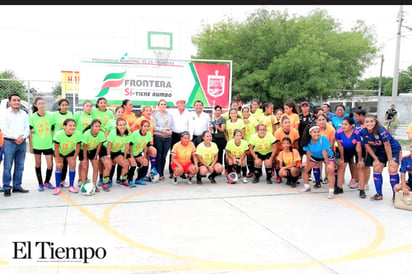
(38, 42)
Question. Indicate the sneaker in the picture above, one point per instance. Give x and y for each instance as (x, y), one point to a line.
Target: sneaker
(293, 184)
(41, 188)
(305, 188)
(353, 184)
(278, 180)
(106, 188)
(212, 179)
(317, 185)
(255, 180)
(324, 181)
(72, 189)
(250, 175)
(269, 181)
(376, 197)
(362, 194)
(100, 182)
(97, 189)
(331, 195)
(125, 184)
(244, 180)
(79, 183)
(199, 181)
(146, 178)
(56, 191)
(174, 181)
(183, 176)
(188, 181)
(154, 171)
(338, 190)
(48, 185)
(118, 181)
(139, 182)
(110, 183)
(132, 184)
(64, 184)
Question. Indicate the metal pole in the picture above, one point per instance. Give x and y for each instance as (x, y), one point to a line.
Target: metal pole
(380, 87)
(397, 53)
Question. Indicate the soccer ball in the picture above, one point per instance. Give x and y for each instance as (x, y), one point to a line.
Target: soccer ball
(232, 178)
(88, 188)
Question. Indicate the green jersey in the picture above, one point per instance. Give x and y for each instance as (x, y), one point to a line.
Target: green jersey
(226, 115)
(111, 124)
(258, 113)
(231, 126)
(207, 153)
(139, 142)
(237, 150)
(42, 137)
(118, 142)
(93, 141)
(103, 116)
(262, 145)
(58, 119)
(82, 120)
(67, 144)
(250, 127)
(269, 121)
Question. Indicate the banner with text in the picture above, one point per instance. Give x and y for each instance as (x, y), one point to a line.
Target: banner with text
(146, 81)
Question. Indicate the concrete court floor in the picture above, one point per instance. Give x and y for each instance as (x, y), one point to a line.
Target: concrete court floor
(242, 228)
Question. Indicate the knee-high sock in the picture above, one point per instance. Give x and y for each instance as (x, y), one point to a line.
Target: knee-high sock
(268, 173)
(244, 171)
(48, 175)
(377, 179)
(142, 172)
(336, 177)
(118, 171)
(38, 175)
(316, 174)
(72, 174)
(250, 165)
(131, 173)
(58, 177)
(112, 172)
(153, 163)
(393, 179)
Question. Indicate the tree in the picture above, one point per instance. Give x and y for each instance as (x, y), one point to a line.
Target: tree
(9, 84)
(276, 57)
(57, 89)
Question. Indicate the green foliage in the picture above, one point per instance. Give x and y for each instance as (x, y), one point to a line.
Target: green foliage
(57, 90)
(276, 56)
(9, 84)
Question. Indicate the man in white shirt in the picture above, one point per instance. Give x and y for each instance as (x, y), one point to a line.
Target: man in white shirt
(182, 119)
(201, 122)
(15, 131)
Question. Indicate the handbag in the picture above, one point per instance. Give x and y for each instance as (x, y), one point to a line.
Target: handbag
(403, 202)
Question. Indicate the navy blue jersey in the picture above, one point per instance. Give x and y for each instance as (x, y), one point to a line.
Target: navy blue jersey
(348, 143)
(376, 141)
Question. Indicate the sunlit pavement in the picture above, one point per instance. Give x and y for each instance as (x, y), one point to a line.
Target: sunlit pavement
(222, 228)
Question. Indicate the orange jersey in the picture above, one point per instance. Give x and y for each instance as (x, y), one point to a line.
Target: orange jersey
(329, 132)
(280, 134)
(294, 119)
(287, 158)
(130, 118)
(151, 124)
(182, 153)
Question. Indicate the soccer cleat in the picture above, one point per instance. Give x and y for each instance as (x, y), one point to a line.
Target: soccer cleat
(362, 194)
(106, 188)
(376, 197)
(72, 189)
(100, 182)
(306, 188)
(154, 171)
(146, 178)
(317, 185)
(353, 184)
(48, 185)
(338, 190)
(125, 184)
(139, 182)
(110, 183)
(118, 181)
(244, 180)
(41, 188)
(212, 179)
(132, 184)
(56, 191)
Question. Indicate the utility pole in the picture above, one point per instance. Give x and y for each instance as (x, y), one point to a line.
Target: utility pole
(380, 87)
(398, 49)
